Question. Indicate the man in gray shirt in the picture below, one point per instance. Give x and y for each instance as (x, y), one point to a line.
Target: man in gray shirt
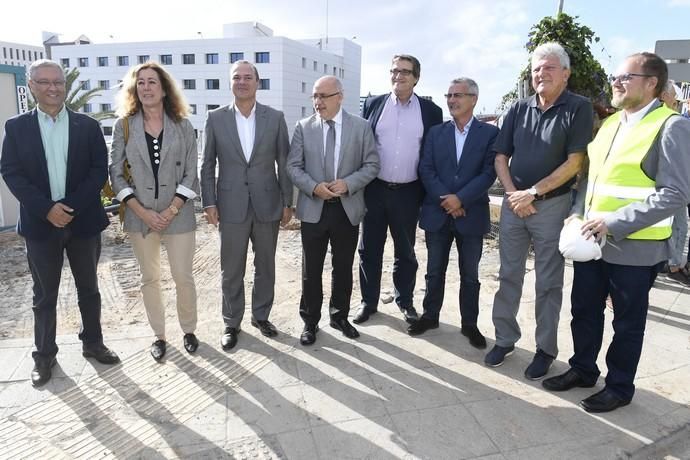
(545, 137)
(639, 176)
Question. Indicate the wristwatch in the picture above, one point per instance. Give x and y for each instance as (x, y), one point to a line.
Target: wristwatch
(532, 191)
(173, 209)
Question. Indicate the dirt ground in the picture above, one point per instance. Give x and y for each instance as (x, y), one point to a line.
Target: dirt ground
(119, 282)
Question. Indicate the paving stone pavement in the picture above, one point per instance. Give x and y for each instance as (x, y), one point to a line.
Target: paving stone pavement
(385, 395)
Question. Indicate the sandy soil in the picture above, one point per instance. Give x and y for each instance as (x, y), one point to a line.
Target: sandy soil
(119, 282)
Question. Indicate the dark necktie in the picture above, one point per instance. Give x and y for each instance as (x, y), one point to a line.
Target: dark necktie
(330, 152)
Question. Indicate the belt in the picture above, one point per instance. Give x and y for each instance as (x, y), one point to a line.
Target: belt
(552, 194)
(332, 200)
(395, 185)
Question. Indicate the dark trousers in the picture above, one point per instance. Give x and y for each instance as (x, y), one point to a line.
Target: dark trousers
(45, 262)
(688, 262)
(396, 209)
(629, 288)
(335, 228)
(469, 247)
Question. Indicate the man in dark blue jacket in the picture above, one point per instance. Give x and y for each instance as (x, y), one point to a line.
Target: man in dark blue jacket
(55, 162)
(456, 169)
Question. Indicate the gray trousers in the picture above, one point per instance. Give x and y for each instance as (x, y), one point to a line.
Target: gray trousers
(515, 234)
(234, 242)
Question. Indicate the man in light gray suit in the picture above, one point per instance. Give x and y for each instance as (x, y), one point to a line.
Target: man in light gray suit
(248, 198)
(332, 158)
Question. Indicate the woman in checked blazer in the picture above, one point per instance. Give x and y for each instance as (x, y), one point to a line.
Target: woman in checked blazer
(158, 150)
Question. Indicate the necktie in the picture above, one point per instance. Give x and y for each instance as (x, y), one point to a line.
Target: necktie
(329, 159)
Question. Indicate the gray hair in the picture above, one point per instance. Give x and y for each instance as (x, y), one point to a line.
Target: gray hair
(42, 63)
(242, 61)
(670, 88)
(551, 49)
(471, 84)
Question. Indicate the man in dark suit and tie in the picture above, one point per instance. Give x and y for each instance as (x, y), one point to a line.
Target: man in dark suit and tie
(251, 195)
(332, 158)
(457, 169)
(55, 162)
(400, 121)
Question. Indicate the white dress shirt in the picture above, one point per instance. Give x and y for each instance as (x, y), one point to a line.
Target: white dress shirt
(246, 129)
(338, 119)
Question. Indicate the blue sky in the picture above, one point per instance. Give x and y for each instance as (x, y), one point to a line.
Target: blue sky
(483, 40)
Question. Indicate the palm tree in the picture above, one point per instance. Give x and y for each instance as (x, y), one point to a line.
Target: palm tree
(77, 97)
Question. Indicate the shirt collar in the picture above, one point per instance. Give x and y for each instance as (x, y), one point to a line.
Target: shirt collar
(61, 114)
(633, 118)
(467, 126)
(560, 100)
(394, 99)
(338, 118)
(251, 114)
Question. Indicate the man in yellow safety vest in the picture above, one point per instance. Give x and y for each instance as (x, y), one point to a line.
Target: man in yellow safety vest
(639, 176)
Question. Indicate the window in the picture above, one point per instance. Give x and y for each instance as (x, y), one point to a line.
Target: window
(304, 112)
(264, 83)
(211, 58)
(189, 84)
(11, 53)
(304, 63)
(187, 59)
(211, 107)
(84, 85)
(104, 84)
(304, 87)
(87, 108)
(106, 107)
(83, 62)
(64, 62)
(262, 57)
(192, 109)
(103, 61)
(234, 57)
(166, 59)
(4, 52)
(41, 54)
(143, 58)
(315, 66)
(107, 130)
(335, 70)
(325, 68)
(24, 55)
(212, 83)
(123, 60)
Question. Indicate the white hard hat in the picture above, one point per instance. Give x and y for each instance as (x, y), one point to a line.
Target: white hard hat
(573, 244)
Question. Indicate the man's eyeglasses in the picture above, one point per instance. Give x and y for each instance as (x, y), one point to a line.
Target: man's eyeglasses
(458, 95)
(403, 72)
(48, 83)
(323, 97)
(626, 77)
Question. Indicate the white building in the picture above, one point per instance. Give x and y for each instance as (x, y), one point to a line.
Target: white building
(287, 68)
(17, 54)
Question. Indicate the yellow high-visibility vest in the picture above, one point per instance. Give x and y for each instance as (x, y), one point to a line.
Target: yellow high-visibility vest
(616, 179)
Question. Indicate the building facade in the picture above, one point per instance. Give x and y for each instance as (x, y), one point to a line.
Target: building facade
(19, 55)
(287, 69)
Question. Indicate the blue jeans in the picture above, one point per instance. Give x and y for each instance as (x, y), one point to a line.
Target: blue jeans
(469, 249)
(629, 288)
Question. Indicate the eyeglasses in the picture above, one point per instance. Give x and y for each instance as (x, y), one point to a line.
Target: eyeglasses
(403, 72)
(48, 83)
(458, 95)
(323, 97)
(626, 77)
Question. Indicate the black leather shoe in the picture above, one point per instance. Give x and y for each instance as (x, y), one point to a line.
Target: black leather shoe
(477, 340)
(604, 401)
(191, 343)
(567, 381)
(345, 327)
(362, 315)
(158, 349)
(267, 329)
(42, 372)
(410, 314)
(421, 326)
(309, 334)
(229, 338)
(101, 353)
